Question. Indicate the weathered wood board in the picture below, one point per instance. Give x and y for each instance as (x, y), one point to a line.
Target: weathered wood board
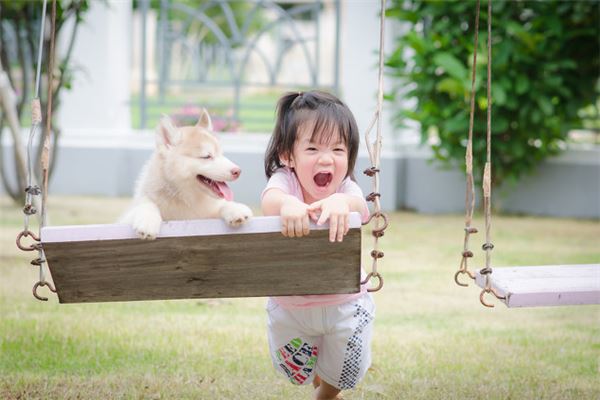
(555, 285)
(199, 259)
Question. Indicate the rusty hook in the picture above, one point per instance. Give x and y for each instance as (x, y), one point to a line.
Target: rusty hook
(493, 291)
(35, 246)
(368, 278)
(378, 232)
(460, 271)
(37, 285)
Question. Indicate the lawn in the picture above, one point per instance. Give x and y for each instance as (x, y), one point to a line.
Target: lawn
(433, 340)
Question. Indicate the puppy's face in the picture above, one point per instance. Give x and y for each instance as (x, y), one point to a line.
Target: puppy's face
(193, 160)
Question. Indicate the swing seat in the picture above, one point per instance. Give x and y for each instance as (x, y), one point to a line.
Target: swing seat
(199, 259)
(536, 286)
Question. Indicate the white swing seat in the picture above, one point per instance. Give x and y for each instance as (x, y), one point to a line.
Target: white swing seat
(537, 286)
(199, 259)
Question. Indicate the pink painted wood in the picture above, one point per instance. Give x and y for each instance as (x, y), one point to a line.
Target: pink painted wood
(204, 227)
(537, 286)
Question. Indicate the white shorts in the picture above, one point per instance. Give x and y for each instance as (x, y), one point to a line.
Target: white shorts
(333, 342)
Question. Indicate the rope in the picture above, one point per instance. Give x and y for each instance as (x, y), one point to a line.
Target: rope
(31, 189)
(374, 150)
(470, 191)
(487, 175)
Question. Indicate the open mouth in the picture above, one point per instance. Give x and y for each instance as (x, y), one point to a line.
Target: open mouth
(322, 179)
(220, 189)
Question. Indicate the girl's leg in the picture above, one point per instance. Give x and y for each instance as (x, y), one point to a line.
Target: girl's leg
(316, 381)
(324, 391)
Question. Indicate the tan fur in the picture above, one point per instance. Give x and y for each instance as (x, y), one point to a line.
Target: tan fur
(168, 189)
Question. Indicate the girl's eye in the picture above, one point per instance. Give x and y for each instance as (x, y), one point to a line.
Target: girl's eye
(206, 157)
(311, 148)
(339, 149)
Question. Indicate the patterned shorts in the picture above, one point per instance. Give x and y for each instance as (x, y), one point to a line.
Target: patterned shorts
(333, 342)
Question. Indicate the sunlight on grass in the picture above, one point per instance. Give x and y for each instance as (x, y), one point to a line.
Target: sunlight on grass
(432, 340)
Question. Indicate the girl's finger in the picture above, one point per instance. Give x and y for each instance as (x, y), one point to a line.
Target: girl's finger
(315, 206)
(305, 225)
(313, 215)
(341, 231)
(323, 218)
(346, 224)
(284, 228)
(290, 228)
(333, 228)
(298, 228)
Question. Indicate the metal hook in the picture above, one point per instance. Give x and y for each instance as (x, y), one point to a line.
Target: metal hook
(37, 285)
(35, 246)
(471, 275)
(368, 278)
(493, 291)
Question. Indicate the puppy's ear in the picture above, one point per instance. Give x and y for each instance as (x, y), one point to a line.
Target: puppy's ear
(204, 120)
(167, 134)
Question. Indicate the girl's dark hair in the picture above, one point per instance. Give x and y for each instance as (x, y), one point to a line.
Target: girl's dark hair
(328, 115)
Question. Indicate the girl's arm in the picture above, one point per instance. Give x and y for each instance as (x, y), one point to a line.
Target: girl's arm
(293, 212)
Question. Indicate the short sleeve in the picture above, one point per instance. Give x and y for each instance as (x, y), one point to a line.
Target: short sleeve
(285, 180)
(351, 188)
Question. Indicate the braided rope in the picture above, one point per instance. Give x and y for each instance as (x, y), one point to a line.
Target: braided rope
(487, 175)
(36, 120)
(470, 190)
(374, 150)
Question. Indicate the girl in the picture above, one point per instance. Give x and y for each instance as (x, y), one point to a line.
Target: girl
(323, 339)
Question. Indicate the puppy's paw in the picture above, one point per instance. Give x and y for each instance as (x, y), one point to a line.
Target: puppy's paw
(236, 214)
(146, 222)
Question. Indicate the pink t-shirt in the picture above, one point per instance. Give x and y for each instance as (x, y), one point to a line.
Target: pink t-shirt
(286, 180)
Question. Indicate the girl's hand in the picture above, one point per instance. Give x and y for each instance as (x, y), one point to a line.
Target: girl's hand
(336, 209)
(294, 218)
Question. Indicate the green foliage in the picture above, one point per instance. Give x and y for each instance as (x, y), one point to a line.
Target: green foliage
(545, 63)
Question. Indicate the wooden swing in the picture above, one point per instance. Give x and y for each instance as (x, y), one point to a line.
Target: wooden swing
(531, 286)
(199, 258)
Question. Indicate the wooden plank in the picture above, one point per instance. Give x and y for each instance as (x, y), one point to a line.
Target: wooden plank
(199, 259)
(555, 285)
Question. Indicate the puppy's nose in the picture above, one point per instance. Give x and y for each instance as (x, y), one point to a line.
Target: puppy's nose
(236, 172)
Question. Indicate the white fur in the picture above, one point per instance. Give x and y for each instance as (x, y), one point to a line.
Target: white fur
(168, 189)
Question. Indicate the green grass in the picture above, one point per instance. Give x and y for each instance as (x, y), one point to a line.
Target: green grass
(433, 340)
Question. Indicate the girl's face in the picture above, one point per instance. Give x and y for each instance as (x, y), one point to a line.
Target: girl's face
(320, 167)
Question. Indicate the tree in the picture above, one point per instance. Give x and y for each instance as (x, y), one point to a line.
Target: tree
(545, 63)
(19, 36)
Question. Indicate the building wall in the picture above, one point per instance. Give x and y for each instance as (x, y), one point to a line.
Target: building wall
(565, 186)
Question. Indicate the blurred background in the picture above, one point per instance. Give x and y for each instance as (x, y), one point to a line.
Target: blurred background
(122, 64)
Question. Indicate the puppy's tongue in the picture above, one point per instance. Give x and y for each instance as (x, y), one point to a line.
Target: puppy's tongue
(323, 178)
(225, 190)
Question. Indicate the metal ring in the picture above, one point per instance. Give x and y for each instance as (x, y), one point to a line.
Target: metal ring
(35, 246)
(37, 285)
(368, 278)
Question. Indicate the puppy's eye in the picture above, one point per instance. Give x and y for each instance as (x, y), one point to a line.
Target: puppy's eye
(206, 157)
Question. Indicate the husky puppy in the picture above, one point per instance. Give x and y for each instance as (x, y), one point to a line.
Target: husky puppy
(185, 179)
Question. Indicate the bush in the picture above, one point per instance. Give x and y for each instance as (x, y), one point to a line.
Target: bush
(545, 63)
